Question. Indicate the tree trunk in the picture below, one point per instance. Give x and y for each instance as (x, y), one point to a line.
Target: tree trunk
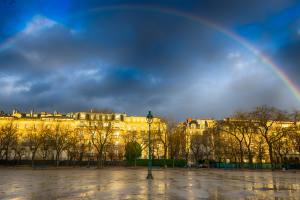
(20, 159)
(250, 159)
(32, 159)
(186, 157)
(6, 154)
(165, 157)
(173, 162)
(241, 156)
(271, 155)
(57, 158)
(207, 160)
(68, 159)
(100, 164)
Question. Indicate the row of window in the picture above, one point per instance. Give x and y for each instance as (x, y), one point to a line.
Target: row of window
(108, 117)
(35, 126)
(101, 117)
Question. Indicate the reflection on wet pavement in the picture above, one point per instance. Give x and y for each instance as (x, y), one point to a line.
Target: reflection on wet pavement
(121, 183)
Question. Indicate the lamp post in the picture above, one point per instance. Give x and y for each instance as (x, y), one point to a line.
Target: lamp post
(149, 121)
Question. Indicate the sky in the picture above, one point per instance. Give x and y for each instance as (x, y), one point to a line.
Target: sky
(177, 58)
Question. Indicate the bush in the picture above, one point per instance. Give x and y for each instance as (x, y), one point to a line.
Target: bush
(161, 163)
(133, 151)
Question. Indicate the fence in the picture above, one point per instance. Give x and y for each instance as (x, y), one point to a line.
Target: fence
(254, 165)
(139, 162)
(159, 162)
(144, 162)
(49, 163)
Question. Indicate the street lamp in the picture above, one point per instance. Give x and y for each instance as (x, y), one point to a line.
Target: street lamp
(149, 121)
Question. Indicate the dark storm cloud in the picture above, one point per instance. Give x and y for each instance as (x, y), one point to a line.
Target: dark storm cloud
(40, 87)
(147, 42)
(10, 60)
(288, 57)
(233, 12)
(135, 60)
(291, 52)
(229, 12)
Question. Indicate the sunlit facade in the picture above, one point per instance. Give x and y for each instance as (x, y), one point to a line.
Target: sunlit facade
(124, 129)
(194, 127)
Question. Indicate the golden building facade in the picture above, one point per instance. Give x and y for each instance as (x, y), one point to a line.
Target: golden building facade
(124, 128)
(286, 147)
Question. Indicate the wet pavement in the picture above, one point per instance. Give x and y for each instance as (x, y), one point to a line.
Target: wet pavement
(123, 183)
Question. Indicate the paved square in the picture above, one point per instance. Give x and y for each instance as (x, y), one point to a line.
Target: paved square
(122, 183)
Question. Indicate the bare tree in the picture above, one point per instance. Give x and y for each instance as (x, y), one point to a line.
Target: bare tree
(209, 143)
(231, 148)
(45, 137)
(294, 138)
(248, 131)
(163, 135)
(294, 135)
(59, 139)
(73, 146)
(84, 143)
(19, 149)
(175, 143)
(197, 147)
(269, 123)
(110, 148)
(260, 148)
(33, 140)
(184, 141)
(235, 127)
(218, 144)
(281, 149)
(8, 137)
(101, 134)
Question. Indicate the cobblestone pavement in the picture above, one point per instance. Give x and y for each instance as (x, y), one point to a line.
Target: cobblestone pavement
(123, 183)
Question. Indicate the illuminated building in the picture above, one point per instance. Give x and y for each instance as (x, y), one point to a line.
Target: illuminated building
(213, 128)
(124, 129)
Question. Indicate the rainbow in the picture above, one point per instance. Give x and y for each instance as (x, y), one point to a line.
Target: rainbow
(7, 44)
(263, 57)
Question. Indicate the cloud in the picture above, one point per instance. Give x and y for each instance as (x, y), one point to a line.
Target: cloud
(235, 12)
(287, 56)
(37, 24)
(133, 62)
(11, 85)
